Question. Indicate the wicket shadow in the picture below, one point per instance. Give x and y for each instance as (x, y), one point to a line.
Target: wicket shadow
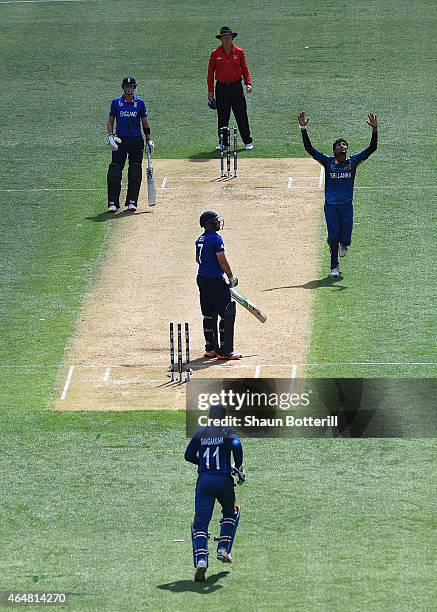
(189, 586)
(107, 216)
(203, 156)
(327, 281)
(202, 363)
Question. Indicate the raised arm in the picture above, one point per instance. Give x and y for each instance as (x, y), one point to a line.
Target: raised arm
(372, 120)
(315, 154)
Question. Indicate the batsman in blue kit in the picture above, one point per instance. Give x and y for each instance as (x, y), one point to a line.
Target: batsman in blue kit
(210, 449)
(215, 297)
(129, 113)
(339, 186)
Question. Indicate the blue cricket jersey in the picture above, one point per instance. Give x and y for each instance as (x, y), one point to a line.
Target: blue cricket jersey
(207, 246)
(211, 449)
(339, 177)
(128, 115)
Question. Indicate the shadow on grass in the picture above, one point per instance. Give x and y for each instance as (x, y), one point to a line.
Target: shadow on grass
(317, 283)
(203, 156)
(107, 216)
(189, 586)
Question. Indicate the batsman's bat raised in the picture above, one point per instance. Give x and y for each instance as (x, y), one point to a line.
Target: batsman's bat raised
(151, 191)
(247, 304)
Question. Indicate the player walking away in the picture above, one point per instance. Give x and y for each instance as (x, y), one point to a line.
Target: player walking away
(215, 297)
(129, 113)
(210, 449)
(339, 185)
(227, 64)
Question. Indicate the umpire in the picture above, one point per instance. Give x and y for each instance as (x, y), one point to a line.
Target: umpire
(129, 113)
(228, 64)
(215, 297)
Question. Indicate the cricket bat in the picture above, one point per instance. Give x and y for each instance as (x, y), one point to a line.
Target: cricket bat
(248, 305)
(151, 191)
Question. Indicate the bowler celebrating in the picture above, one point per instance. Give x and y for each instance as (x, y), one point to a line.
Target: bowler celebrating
(339, 185)
(210, 449)
(129, 113)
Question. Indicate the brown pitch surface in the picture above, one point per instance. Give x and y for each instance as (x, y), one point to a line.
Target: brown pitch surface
(148, 278)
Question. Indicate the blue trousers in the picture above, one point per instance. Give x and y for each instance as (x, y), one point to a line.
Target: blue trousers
(339, 221)
(208, 490)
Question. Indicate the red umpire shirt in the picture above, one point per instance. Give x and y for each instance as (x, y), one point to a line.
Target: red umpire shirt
(227, 68)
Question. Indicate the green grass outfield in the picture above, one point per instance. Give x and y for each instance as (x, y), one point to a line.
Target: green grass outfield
(91, 503)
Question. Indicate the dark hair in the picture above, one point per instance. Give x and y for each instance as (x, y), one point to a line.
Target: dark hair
(217, 412)
(338, 142)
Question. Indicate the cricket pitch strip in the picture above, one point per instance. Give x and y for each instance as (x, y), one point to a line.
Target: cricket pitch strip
(119, 354)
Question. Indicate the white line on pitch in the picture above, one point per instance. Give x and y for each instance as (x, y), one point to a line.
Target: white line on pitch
(373, 363)
(164, 183)
(321, 176)
(290, 181)
(67, 383)
(106, 375)
(257, 371)
(36, 1)
(263, 365)
(294, 371)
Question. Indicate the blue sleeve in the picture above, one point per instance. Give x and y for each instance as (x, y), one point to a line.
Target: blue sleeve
(113, 109)
(143, 110)
(363, 155)
(237, 452)
(315, 154)
(219, 244)
(191, 454)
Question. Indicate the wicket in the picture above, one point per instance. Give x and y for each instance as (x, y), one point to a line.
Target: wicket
(188, 370)
(225, 143)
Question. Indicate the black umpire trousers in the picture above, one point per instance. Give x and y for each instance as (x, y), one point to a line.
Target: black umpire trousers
(231, 97)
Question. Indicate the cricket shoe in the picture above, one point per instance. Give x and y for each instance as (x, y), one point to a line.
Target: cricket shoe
(199, 576)
(210, 354)
(231, 356)
(335, 272)
(223, 555)
(342, 250)
(112, 208)
(248, 146)
(131, 207)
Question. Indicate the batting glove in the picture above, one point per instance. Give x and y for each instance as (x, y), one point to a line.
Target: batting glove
(233, 281)
(239, 474)
(113, 142)
(150, 146)
(212, 103)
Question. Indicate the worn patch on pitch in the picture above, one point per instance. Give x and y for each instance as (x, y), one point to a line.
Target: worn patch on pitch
(118, 357)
